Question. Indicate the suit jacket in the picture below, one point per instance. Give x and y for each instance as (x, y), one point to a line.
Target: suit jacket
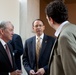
(29, 55)
(5, 65)
(17, 45)
(63, 58)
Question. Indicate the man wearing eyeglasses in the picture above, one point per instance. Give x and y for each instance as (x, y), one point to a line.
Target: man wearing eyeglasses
(37, 50)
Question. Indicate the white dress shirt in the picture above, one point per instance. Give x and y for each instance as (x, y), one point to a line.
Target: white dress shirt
(59, 28)
(41, 38)
(3, 42)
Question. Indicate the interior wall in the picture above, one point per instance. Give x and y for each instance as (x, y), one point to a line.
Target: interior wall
(48, 30)
(29, 11)
(9, 10)
(71, 13)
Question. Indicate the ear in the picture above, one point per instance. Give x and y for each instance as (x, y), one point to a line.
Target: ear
(33, 27)
(1, 31)
(51, 20)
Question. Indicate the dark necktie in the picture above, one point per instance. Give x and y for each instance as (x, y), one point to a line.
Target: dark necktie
(8, 53)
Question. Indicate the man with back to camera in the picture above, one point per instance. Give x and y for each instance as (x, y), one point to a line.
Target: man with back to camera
(63, 57)
(37, 50)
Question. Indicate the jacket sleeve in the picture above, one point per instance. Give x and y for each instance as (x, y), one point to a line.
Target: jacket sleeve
(25, 58)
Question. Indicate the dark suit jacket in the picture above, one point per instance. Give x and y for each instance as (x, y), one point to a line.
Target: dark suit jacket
(17, 45)
(5, 65)
(29, 55)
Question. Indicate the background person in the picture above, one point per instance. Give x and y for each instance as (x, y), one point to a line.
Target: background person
(17, 46)
(37, 63)
(7, 63)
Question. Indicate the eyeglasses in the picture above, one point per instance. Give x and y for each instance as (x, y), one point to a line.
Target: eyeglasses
(38, 26)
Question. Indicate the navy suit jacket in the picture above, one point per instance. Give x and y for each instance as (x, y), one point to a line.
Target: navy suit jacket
(29, 55)
(17, 45)
(5, 65)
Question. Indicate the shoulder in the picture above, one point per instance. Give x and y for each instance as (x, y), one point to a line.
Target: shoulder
(9, 45)
(68, 30)
(50, 37)
(30, 39)
(16, 35)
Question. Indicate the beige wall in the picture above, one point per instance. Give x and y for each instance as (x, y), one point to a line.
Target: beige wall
(29, 12)
(9, 10)
(71, 12)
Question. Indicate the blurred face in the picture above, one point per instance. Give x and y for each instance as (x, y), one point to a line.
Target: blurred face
(7, 33)
(38, 27)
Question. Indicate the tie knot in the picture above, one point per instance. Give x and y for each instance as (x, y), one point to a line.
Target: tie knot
(6, 45)
(38, 38)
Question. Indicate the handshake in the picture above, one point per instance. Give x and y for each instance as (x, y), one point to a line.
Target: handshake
(16, 72)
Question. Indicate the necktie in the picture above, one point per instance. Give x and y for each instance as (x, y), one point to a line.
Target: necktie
(38, 46)
(8, 53)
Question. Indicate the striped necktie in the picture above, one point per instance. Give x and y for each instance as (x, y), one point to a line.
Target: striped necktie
(38, 46)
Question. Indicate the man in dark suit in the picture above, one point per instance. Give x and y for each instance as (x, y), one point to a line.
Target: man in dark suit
(63, 56)
(7, 63)
(32, 64)
(17, 45)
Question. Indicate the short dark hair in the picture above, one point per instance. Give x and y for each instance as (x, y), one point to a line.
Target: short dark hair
(57, 11)
(37, 20)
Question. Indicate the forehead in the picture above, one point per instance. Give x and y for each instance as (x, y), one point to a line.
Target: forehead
(9, 25)
(37, 22)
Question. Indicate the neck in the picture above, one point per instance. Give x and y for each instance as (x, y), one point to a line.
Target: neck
(56, 26)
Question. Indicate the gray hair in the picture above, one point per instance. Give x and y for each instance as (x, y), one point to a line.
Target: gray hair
(3, 24)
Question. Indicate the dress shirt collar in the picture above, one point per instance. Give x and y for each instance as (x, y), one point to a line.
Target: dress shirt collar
(41, 37)
(59, 28)
(3, 42)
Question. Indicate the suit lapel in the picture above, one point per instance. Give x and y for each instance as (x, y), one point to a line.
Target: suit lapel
(52, 52)
(55, 43)
(44, 43)
(4, 52)
(33, 44)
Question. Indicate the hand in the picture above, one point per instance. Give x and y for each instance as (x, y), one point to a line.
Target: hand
(13, 73)
(32, 72)
(40, 71)
(16, 72)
